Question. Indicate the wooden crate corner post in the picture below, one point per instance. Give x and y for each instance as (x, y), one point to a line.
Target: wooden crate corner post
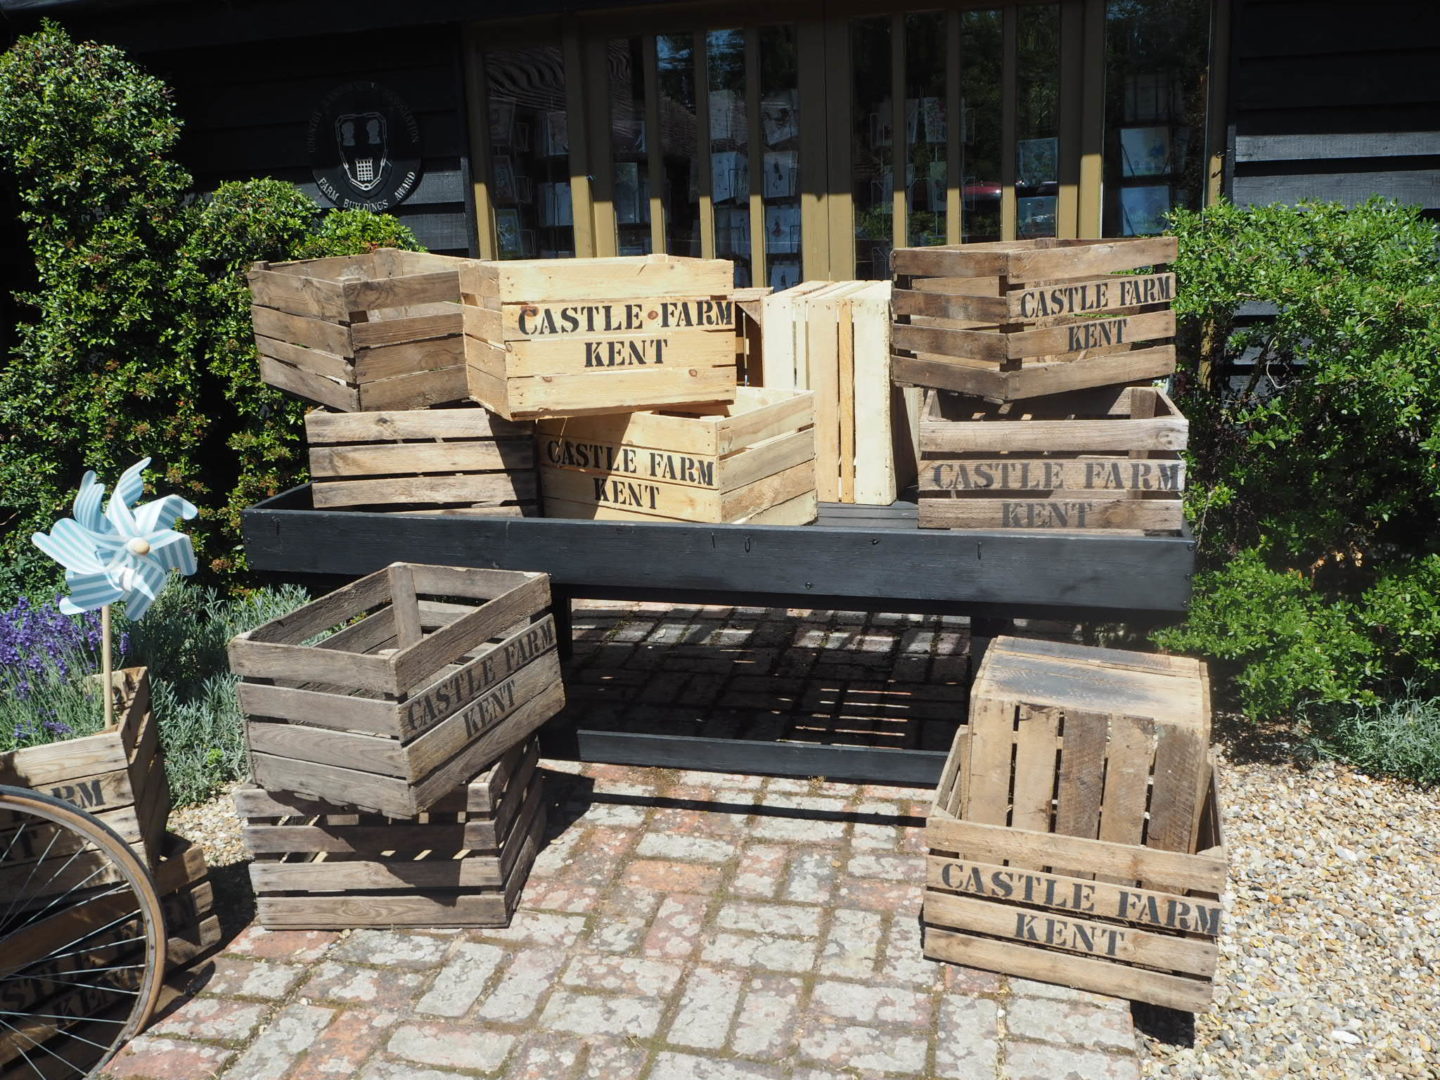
(1075, 834)
(1018, 319)
(359, 333)
(573, 337)
(428, 674)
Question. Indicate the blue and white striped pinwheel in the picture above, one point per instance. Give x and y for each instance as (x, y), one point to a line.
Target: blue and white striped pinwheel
(125, 553)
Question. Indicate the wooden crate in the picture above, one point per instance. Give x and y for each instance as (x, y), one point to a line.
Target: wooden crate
(463, 863)
(451, 461)
(1075, 834)
(1022, 318)
(750, 461)
(573, 337)
(187, 898)
(362, 332)
(1097, 459)
(414, 696)
(833, 338)
(117, 774)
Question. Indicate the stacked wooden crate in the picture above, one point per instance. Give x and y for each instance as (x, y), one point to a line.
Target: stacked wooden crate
(833, 338)
(378, 706)
(630, 367)
(1075, 835)
(1037, 357)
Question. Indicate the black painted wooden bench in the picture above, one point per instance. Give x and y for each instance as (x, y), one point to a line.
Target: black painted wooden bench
(853, 559)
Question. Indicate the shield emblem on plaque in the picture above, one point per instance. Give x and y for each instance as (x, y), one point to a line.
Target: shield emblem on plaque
(361, 139)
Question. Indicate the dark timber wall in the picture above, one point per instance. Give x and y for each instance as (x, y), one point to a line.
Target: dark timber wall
(1335, 101)
(247, 110)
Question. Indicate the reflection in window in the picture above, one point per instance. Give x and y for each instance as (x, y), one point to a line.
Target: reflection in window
(729, 149)
(1037, 147)
(1155, 54)
(529, 152)
(631, 177)
(675, 56)
(873, 149)
(780, 130)
(926, 129)
(981, 55)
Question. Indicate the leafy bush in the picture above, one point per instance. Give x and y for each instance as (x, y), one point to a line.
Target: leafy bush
(1315, 451)
(46, 658)
(141, 342)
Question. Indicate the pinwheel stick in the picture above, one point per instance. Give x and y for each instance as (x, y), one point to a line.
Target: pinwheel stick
(105, 666)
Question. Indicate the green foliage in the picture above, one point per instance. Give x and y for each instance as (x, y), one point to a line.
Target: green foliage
(140, 342)
(87, 137)
(1399, 737)
(1315, 474)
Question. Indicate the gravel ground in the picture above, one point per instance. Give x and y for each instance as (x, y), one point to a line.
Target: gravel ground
(1330, 959)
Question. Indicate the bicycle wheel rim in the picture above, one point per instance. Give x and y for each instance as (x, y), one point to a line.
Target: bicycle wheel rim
(82, 939)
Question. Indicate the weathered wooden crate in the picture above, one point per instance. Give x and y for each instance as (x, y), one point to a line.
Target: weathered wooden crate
(1021, 318)
(187, 898)
(1075, 834)
(834, 338)
(362, 332)
(571, 337)
(752, 460)
(117, 774)
(435, 672)
(1097, 459)
(451, 461)
(463, 863)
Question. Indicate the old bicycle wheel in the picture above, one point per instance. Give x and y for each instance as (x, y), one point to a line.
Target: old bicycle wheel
(81, 939)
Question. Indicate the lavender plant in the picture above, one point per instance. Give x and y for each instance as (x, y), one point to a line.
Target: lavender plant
(44, 659)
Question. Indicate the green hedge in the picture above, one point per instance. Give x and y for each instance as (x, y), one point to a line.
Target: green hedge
(139, 342)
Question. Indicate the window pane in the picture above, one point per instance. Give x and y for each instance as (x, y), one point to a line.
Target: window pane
(729, 149)
(926, 130)
(529, 152)
(1155, 55)
(675, 54)
(981, 54)
(627, 146)
(1037, 128)
(872, 147)
(780, 129)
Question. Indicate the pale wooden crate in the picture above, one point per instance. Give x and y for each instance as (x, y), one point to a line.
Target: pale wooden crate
(1018, 319)
(576, 337)
(117, 774)
(1107, 458)
(362, 332)
(1075, 834)
(319, 865)
(833, 338)
(465, 461)
(433, 673)
(751, 460)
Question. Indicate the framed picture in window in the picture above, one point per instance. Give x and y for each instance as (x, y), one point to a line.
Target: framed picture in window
(1144, 151)
(505, 189)
(507, 228)
(1143, 209)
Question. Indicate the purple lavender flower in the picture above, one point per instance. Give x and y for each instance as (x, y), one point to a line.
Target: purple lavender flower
(37, 641)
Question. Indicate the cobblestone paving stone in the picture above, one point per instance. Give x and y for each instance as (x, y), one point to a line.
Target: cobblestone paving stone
(679, 925)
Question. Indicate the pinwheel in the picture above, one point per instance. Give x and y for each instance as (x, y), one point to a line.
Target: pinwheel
(125, 553)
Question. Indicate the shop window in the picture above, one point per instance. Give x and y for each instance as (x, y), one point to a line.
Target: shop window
(872, 146)
(1155, 54)
(729, 149)
(630, 193)
(1037, 121)
(980, 124)
(927, 129)
(679, 130)
(780, 134)
(529, 153)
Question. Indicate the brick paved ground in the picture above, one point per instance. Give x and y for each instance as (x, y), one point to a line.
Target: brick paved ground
(679, 925)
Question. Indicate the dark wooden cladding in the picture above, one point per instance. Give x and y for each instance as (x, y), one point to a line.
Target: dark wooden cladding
(875, 567)
(1334, 102)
